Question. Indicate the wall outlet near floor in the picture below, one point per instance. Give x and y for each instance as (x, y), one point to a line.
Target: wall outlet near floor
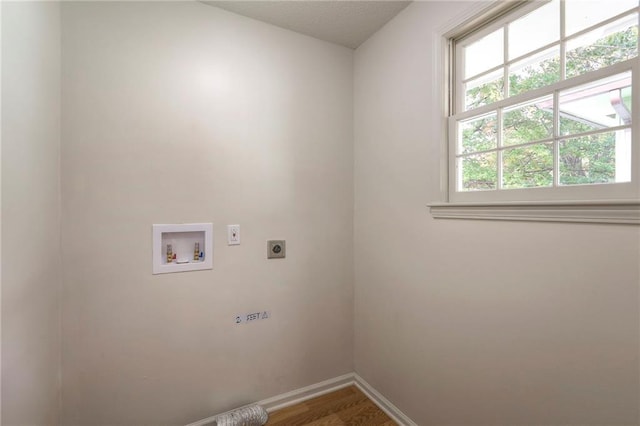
(252, 317)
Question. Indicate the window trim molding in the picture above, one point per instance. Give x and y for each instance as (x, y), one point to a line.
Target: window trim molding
(623, 212)
(613, 211)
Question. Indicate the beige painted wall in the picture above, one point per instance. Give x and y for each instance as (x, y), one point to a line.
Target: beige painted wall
(31, 266)
(180, 112)
(467, 322)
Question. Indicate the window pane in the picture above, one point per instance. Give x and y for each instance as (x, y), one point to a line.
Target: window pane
(625, 93)
(479, 172)
(603, 46)
(484, 90)
(528, 167)
(478, 134)
(528, 122)
(600, 158)
(595, 106)
(581, 14)
(534, 72)
(521, 30)
(546, 132)
(484, 54)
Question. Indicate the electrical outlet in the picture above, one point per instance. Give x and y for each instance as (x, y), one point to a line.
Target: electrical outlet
(233, 235)
(276, 249)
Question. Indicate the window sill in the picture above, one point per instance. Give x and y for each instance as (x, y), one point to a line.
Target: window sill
(618, 212)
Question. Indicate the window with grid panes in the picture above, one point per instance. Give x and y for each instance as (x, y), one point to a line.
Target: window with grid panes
(542, 104)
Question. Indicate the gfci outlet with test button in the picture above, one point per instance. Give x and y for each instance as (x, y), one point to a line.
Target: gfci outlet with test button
(276, 249)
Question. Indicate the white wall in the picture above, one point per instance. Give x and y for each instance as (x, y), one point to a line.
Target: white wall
(475, 322)
(180, 112)
(31, 266)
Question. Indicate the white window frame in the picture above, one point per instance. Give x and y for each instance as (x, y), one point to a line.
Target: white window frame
(602, 203)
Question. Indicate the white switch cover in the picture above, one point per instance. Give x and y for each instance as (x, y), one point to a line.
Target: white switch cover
(233, 235)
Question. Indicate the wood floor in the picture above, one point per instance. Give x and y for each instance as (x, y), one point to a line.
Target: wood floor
(344, 407)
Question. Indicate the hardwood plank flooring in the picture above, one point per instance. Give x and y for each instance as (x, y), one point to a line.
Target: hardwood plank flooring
(344, 407)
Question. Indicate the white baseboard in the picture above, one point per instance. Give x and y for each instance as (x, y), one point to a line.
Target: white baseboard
(300, 395)
(383, 403)
(307, 392)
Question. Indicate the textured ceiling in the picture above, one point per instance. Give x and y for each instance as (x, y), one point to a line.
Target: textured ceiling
(348, 23)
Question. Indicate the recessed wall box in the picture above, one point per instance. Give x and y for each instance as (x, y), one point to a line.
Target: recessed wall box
(276, 249)
(175, 246)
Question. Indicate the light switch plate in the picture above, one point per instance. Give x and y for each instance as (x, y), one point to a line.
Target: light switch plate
(233, 235)
(276, 249)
